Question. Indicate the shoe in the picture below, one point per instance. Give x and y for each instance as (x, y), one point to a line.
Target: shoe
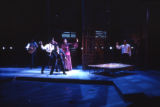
(42, 72)
(64, 73)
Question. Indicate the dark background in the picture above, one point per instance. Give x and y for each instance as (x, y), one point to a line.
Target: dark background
(22, 20)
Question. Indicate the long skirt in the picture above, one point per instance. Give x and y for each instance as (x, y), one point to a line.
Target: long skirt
(68, 63)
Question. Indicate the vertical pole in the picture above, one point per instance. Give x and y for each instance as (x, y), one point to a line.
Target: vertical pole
(146, 60)
(83, 32)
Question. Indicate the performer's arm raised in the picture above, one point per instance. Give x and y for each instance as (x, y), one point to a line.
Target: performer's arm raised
(129, 50)
(117, 45)
(42, 46)
(28, 45)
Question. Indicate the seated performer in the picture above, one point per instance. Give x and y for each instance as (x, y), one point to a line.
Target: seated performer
(50, 59)
(59, 64)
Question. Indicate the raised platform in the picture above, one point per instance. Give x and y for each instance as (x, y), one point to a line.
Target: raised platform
(110, 68)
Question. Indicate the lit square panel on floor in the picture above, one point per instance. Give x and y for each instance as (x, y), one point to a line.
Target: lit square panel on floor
(111, 66)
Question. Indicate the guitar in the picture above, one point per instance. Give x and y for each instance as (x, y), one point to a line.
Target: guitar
(31, 49)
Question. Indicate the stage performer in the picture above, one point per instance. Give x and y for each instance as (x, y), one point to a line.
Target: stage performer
(31, 48)
(59, 64)
(65, 46)
(125, 51)
(50, 58)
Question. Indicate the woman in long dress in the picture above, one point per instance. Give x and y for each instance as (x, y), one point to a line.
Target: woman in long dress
(65, 46)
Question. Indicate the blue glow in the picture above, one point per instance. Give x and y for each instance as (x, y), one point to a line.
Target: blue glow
(69, 35)
(65, 35)
(27, 72)
(101, 34)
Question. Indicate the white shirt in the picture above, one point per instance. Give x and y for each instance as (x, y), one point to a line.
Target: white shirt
(48, 47)
(28, 45)
(124, 49)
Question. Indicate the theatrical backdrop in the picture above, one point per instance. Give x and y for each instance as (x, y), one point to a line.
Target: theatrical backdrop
(98, 24)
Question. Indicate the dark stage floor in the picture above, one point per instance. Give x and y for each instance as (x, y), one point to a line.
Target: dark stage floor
(27, 87)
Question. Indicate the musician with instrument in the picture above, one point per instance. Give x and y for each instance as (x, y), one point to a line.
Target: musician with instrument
(31, 48)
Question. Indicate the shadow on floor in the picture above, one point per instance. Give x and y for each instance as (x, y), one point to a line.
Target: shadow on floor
(114, 73)
(139, 101)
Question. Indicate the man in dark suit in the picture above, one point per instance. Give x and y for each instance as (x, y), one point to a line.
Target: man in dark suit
(58, 60)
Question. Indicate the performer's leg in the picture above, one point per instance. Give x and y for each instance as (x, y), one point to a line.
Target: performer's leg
(54, 64)
(121, 58)
(42, 70)
(57, 65)
(62, 65)
(125, 58)
(63, 70)
(128, 59)
(52, 70)
(33, 59)
(50, 58)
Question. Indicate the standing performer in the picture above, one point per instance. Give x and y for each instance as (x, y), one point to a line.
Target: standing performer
(59, 64)
(31, 48)
(50, 60)
(125, 51)
(65, 47)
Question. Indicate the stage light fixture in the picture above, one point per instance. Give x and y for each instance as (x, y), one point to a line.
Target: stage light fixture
(110, 47)
(3, 48)
(10, 47)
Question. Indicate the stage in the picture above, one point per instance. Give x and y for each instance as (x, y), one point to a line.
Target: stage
(128, 84)
(77, 74)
